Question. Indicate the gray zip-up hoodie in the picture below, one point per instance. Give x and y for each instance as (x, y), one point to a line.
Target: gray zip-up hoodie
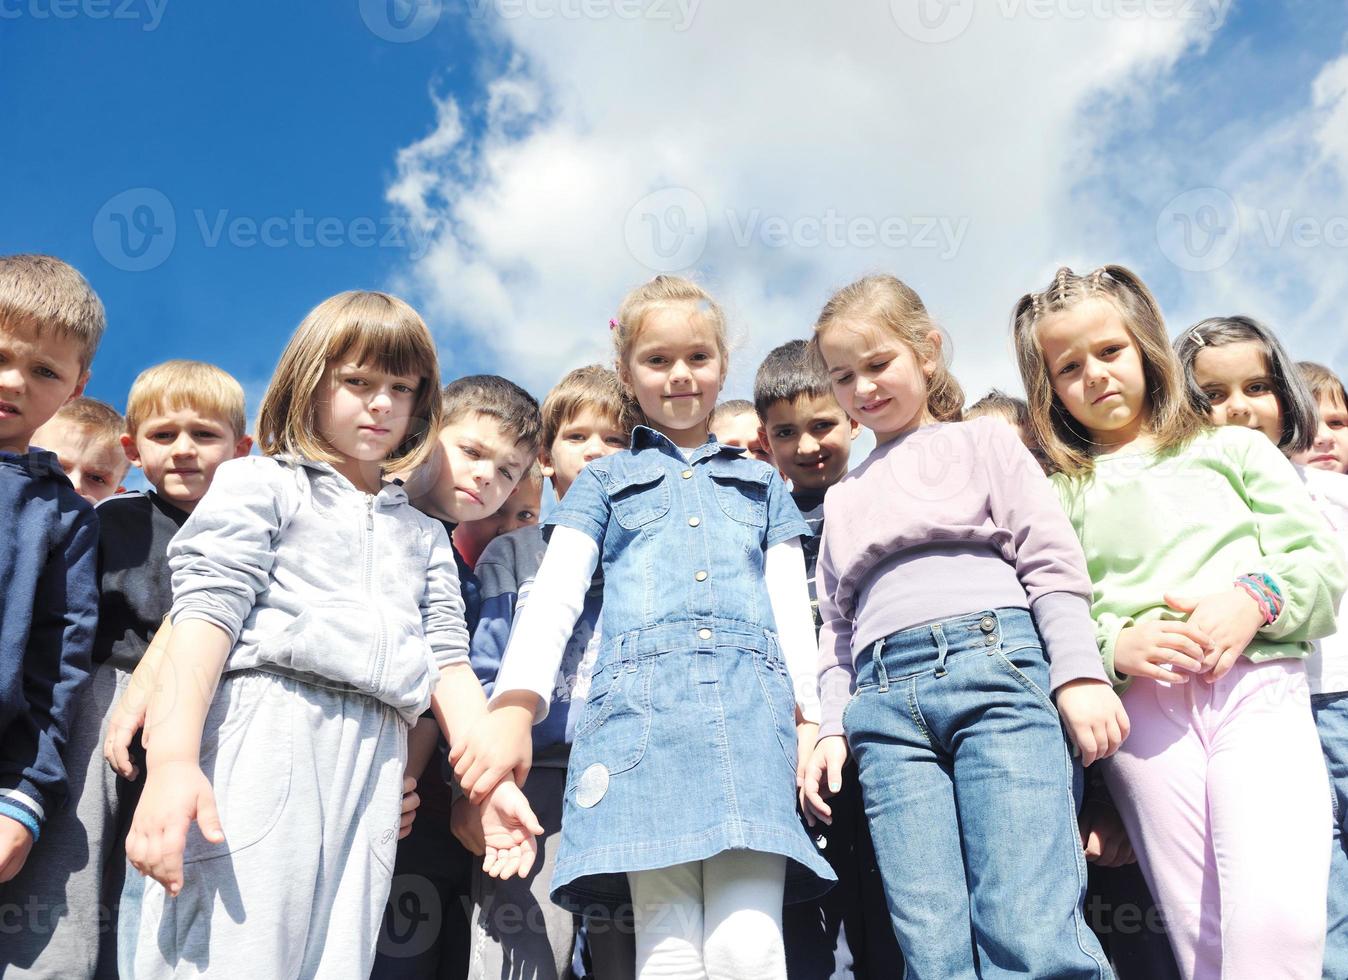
(315, 579)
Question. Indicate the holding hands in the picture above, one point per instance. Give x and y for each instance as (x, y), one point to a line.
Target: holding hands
(822, 777)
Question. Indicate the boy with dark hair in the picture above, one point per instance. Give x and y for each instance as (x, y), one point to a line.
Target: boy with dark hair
(587, 415)
(488, 441)
(51, 323)
(846, 932)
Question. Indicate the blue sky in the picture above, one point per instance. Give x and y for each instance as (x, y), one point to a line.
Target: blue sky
(510, 165)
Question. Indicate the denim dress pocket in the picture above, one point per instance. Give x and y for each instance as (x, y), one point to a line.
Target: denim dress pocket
(741, 490)
(639, 497)
(775, 682)
(616, 720)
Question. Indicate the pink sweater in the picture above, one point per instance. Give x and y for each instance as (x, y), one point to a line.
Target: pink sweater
(951, 519)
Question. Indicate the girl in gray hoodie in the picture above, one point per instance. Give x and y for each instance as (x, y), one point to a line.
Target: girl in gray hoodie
(327, 611)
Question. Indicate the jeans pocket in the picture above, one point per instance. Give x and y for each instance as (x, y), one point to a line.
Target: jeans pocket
(775, 682)
(639, 498)
(1027, 665)
(616, 721)
(741, 491)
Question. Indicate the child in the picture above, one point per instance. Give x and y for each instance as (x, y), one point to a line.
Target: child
(954, 596)
(1014, 412)
(184, 419)
(1241, 372)
(681, 780)
(735, 423)
(1329, 451)
(521, 509)
(517, 930)
(86, 437)
(332, 608)
(486, 447)
(50, 326)
(845, 933)
(1211, 574)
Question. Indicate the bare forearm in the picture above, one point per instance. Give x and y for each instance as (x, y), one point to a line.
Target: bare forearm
(421, 746)
(458, 702)
(186, 679)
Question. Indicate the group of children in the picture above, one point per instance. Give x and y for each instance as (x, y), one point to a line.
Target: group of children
(733, 709)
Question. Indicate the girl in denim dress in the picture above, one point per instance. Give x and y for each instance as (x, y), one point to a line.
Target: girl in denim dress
(681, 789)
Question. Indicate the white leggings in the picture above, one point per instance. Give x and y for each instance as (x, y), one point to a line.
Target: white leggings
(718, 919)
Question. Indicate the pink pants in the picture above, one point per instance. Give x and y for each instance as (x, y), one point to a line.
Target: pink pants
(1225, 796)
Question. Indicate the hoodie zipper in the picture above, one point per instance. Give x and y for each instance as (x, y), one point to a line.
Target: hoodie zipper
(377, 674)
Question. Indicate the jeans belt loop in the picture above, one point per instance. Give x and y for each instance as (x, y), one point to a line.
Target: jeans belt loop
(942, 648)
(876, 650)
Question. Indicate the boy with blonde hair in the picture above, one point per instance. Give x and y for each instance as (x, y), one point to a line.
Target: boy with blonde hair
(86, 436)
(183, 419)
(50, 325)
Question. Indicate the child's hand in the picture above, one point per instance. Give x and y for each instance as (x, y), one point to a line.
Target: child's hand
(499, 745)
(411, 800)
(1095, 717)
(175, 794)
(826, 760)
(1140, 650)
(16, 843)
(127, 718)
(465, 822)
(807, 735)
(1229, 618)
(1103, 837)
(509, 832)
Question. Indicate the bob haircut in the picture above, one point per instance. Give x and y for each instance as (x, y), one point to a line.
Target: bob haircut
(1300, 417)
(368, 328)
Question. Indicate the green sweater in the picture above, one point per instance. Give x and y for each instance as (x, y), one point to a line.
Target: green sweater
(1188, 523)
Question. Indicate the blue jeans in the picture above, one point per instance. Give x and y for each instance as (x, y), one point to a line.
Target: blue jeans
(1331, 722)
(969, 788)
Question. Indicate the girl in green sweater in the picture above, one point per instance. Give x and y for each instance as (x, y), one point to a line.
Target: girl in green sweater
(1211, 576)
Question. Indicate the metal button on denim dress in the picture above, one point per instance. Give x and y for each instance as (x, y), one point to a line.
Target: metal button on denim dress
(686, 746)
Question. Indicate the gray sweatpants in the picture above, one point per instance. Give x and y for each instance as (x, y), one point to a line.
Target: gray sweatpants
(308, 782)
(517, 931)
(58, 910)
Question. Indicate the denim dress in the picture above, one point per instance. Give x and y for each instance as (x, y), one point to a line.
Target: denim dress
(686, 745)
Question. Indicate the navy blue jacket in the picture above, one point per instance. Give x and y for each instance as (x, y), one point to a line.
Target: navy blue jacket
(48, 615)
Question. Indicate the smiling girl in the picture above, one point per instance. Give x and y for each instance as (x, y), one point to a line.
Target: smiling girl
(682, 777)
(1212, 572)
(332, 609)
(955, 600)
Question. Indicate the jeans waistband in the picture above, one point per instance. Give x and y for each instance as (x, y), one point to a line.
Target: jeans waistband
(927, 647)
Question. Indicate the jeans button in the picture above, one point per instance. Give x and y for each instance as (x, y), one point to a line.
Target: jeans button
(704, 634)
(687, 474)
(987, 624)
(990, 639)
(700, 576)
(694, 521)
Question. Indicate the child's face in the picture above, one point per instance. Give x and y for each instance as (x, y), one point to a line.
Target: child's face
(95, 463)
(676, 370)
(180, 449)
(1095, 369)
(1237, 382)
(519, 510)
(877, 379)
(583, 438)
(1330, 449)
(742, 430)
(363, 412)
(37, 376)
(480, 464)
(811, 439)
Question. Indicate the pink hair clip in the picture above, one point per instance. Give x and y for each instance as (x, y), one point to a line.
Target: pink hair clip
(613, 324)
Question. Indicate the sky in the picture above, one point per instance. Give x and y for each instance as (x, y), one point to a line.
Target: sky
(513, 167)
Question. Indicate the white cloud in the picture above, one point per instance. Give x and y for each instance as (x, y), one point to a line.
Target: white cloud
(786, 124)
